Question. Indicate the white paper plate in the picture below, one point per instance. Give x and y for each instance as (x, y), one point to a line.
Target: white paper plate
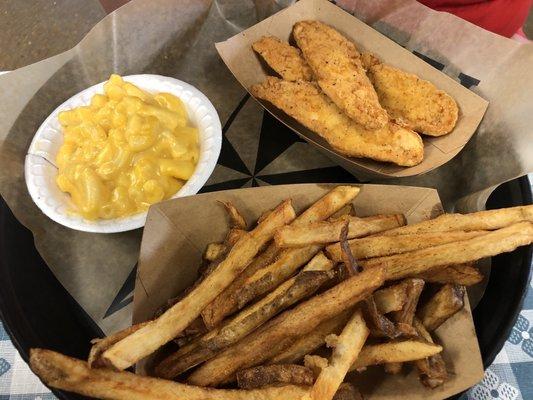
(40, 170)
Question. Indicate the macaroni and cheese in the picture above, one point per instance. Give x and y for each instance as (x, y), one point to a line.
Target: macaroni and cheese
(126, 150)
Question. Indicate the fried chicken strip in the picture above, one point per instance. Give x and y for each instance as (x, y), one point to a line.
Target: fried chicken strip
(336, 64)
(308, 105)
(283, 58)
(410, 101)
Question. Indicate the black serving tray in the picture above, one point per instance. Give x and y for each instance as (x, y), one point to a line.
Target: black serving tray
(38, 312)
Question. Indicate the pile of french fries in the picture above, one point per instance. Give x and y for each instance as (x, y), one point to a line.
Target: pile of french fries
(286, 309)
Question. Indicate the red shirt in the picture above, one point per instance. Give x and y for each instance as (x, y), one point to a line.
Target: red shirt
(504, 17)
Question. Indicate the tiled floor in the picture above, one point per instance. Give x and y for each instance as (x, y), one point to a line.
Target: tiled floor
(37, 29)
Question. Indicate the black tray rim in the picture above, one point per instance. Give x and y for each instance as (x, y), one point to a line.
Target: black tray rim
(522, 285)
(488, 357)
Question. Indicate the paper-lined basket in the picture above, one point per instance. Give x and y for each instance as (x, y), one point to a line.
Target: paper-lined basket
(239, 57)
(177, 232)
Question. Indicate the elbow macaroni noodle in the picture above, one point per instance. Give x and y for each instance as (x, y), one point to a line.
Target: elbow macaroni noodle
(126, 150)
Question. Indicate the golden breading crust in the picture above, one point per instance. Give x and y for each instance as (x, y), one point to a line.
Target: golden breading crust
(308, 105)
(412, 102)
(337, 66)
(283, 58)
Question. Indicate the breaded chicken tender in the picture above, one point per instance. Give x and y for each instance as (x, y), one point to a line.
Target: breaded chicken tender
(337, 66)
(308, 105)
(283, 58)
(410, 101)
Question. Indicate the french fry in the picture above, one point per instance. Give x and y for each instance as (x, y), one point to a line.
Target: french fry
(348, 209)
(378, 246)
(160, 331)
(280, 332)
(482, 220)
(390, 352)
(418, 261)
(441, 306)
(227, 302)
(235, 217)
(263, 215)
(62, 372)
(414, 288)
(266, 375)
(404, 317)
(306, 344)
(208, 318)
(258, 345)
(406, 330)
(214, 255)
(461, 274)
(432, 370)
(317, 272)
(214, 251)
(315, 363)
(391, 298)
(313, 276)
(233, 236)
(328, 205)
(195, 329)
(232, 299)
(350, 265)
(198, 326)
(347, 392)
(328, 232)
(347, 347)
(266, 279)
(423, 333)
(288, 261)
(378, 324)
(101, 345)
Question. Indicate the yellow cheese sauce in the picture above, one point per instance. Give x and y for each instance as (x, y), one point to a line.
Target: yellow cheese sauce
(126, 150)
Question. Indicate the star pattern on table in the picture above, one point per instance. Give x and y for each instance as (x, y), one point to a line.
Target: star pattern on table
(273, 141)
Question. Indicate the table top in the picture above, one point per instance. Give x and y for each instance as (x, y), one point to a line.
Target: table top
(61, 24)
